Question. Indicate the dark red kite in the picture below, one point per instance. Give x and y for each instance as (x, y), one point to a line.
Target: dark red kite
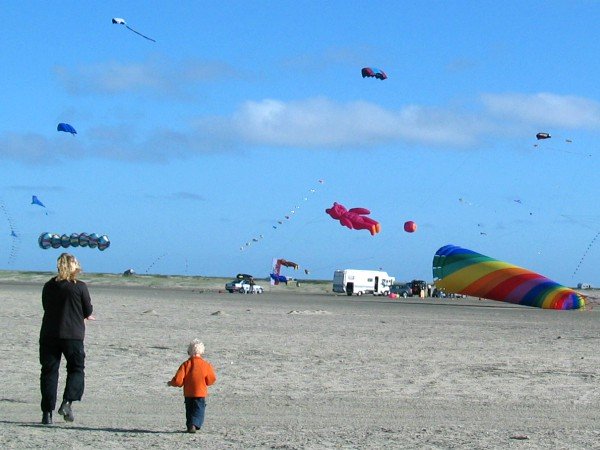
(372, 72)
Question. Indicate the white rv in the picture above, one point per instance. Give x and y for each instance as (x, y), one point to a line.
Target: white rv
(359, 282)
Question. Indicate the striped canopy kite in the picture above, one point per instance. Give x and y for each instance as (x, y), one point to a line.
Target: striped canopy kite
(462, 271)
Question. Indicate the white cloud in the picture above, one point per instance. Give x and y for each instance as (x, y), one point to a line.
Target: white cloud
(35, 148)
(159, 75)
(545, 109)
(316, 123)
(182, 195)
(330, 58)
(321, 122)
(37, 187)
(461, 65)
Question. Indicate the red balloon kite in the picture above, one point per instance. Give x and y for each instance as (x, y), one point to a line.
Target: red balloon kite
(410, 226)
(354, 218)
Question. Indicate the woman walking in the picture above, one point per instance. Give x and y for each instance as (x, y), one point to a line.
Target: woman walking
(67, 304)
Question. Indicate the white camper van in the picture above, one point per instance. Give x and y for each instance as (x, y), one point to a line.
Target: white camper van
(359, 282)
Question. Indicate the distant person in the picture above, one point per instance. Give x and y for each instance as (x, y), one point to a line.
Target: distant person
(195, 375)
(429, 290)
(67, 304)
(251, 283)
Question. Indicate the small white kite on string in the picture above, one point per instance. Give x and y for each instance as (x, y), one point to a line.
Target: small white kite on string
(282, 220)
(119, 21)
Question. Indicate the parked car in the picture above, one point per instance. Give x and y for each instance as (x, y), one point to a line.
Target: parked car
(247, 288)
(438, 293)
(402, 290)
(234, 285)
(418, 286)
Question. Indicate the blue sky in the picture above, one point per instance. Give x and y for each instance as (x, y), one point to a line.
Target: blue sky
(190, 147)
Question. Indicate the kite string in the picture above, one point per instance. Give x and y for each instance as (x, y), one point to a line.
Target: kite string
(282, 220)
(154, 262)
(137, 32)
(585, 253)
(15, 237)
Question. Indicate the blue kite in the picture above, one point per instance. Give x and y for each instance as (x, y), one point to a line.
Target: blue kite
(66, 128)
(279, 278)
(36, 201)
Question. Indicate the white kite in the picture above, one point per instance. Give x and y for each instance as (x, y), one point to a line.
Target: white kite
(119, 21)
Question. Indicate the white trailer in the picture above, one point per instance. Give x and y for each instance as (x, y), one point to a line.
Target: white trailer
(359, 282)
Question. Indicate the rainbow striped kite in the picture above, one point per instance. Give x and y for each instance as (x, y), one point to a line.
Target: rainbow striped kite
(462, 271)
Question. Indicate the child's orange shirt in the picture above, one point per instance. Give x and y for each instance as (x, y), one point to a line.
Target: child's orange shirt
(195, 375)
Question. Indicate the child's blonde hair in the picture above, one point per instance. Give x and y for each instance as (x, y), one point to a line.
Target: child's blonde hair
(195, 348)
(68, 267)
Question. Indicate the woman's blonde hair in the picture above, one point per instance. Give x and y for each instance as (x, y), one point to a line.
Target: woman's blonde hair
(68, 267)
(196, 348)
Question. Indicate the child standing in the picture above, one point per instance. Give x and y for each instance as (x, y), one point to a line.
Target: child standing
(195, 375)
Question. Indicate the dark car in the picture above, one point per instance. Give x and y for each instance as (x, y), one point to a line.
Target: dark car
(402, 290)
(418, 286)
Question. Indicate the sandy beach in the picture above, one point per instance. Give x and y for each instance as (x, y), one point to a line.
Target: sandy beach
(304, 368)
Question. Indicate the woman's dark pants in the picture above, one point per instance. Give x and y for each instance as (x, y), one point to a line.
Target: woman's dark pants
(51, 350)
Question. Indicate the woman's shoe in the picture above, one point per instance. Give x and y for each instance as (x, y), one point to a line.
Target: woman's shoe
(47, 418)
(66, 411)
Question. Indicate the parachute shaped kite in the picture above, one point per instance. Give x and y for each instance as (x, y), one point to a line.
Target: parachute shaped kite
(410, 226)
(557, 146)
(372, 72)
(119, 21)
(462, 271)
(354, 218)
(542, 136)
(52, 240)
(66, 128)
